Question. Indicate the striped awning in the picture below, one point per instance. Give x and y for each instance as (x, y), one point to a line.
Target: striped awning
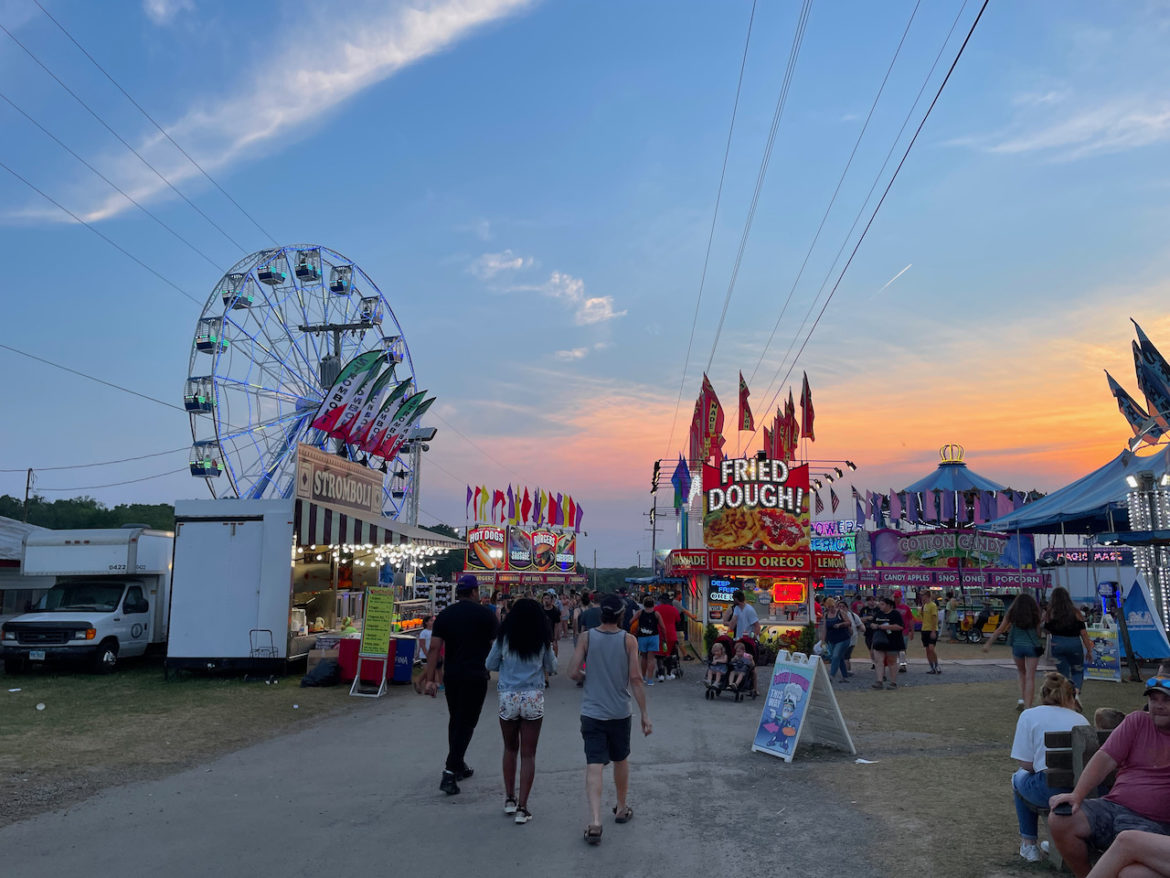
(318, 524)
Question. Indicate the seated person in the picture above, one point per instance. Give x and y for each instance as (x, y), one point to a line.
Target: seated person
(1135, 854)
(716, 666)
(1139, 751)
(741, 666)
(1056, 713)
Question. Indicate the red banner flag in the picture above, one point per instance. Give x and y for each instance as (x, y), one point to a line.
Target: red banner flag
(806, 411)
(746, 421)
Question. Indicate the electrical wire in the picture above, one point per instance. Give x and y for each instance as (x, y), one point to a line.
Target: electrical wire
(781, 103)
(121, 139)
(101, 235)
(169, 405)
(873, 186)
(837, 191)
(116, 484)
(110, 182)
(161, 130)
(878, 206)
(45, 469)
(714, 216)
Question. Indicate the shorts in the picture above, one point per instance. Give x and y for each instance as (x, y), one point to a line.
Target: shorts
(1023, 650)
(929, 638)
(524, 704)
(606, 740)
(649, 643)
(1108, 819)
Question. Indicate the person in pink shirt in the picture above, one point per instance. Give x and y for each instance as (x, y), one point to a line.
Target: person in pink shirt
(907, 630)
(1139, 751)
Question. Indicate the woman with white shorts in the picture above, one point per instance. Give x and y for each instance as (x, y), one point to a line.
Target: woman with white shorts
(522, 653)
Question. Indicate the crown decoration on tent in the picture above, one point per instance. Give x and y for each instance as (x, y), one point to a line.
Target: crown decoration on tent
(952, 453)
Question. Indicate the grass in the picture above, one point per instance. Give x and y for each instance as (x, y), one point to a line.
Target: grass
(97, 731)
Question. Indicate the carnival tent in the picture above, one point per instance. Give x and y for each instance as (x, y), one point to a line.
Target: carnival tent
(1147, 634)
(1095, 503)
(953, 476)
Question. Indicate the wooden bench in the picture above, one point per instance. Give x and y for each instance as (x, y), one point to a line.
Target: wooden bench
(1065, 756)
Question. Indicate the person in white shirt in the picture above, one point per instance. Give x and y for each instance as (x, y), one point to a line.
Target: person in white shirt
(745, 622)
(1057, 712)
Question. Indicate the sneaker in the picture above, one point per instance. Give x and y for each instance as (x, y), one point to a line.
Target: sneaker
(670, 676)
(649, 682)
(937, 669)
(661, 677)
(465, 772)
(891, 685)
(902, 668)
(932, 671)
(1030, 852)
(1044, 846)
(509, 806)
(522, 815)
(448, 785)
(1019, 705)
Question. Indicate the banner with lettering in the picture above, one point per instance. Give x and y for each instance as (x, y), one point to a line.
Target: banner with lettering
(486, 548)
(758, 505)
(1106, 661)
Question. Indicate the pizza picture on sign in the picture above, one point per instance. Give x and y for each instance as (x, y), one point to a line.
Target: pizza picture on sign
(762, 530)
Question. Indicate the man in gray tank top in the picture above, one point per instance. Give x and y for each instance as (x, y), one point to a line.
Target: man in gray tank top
(612, 656)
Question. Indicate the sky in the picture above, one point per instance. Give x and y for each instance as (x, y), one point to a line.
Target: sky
(533, 187)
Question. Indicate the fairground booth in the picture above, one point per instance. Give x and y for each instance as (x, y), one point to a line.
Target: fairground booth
(523, 540)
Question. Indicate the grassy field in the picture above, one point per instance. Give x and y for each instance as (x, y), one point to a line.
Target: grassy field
(98, 731)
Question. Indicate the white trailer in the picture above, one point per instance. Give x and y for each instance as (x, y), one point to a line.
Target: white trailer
(110, 597)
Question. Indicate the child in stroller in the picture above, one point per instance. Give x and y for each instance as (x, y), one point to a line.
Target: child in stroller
(743, 672)
(716, 668)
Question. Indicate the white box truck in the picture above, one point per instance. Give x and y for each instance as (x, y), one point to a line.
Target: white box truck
(110, 598)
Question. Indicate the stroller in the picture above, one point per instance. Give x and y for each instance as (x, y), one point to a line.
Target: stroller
(748, 685)
(667, 664)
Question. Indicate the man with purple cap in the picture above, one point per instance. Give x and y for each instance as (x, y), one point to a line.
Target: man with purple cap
(464, 632)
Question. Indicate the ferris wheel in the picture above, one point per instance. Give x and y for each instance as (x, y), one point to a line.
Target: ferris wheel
(274, 335)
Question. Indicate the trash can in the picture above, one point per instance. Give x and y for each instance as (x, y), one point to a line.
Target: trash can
(403, 658)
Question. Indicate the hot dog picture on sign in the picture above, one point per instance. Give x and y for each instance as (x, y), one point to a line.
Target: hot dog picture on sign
(486, 548)
(761, 505)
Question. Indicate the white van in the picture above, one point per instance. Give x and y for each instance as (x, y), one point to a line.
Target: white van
(111, 598)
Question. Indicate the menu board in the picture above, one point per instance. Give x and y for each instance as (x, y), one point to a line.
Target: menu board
(378, 622)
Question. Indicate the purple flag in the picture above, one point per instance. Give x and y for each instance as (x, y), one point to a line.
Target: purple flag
(580, 512)
(1003, 504)
(467, 511)
(948, 506)
(560, 513)
(860, 514)
(912, 508)
(895, 506)
(963, 515)
(978, 509)
(511, 506)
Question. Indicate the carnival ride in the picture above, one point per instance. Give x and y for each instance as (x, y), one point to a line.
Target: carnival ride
(272, 339)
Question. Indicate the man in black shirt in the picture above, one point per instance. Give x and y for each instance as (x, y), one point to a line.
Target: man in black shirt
(463, 632)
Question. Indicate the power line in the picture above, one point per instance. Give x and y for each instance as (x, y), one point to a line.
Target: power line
(837, 191)
(781, 103)
(104, 237)
(881, 201)
(111, 183)
(121, 139)
(476, 447)
(873, 186)
(116, 484)
(714, 216)
(90, 377)
(161, 130)
(44, 469)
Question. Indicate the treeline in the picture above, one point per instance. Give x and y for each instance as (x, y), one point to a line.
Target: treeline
(82, 512)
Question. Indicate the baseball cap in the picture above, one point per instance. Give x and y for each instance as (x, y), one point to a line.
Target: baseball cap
(467, 582)
(611, 603)
(551, 591)
(1158, 683)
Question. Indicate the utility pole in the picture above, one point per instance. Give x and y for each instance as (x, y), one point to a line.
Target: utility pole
(594, 571)
(28, 482)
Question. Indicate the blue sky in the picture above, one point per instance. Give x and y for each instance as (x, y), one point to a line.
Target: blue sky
(532, 184)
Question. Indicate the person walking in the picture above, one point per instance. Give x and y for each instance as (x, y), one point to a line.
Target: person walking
(648, 626)
(589, 617)
(744, 621)
(671, 619)
(1071, 646)
(614, 674)
(930, 633)
(553, 613)
(1022, 624)
(907, 628)
(522, 654)
(463, 633)
(887, 625)
(952, 617)
(866, 613)
(838, 630)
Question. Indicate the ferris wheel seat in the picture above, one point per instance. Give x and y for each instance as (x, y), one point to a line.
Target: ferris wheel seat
(237, 301)
(198, 403)
(308, 272)
(206, 459)
(341, 287)
(211, 344)
(271, 275)
(206, 469)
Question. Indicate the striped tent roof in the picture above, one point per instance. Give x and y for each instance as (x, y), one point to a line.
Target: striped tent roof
(318, 524)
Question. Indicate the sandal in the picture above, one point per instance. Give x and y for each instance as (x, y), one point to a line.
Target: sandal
(593, 834)
(625, 815)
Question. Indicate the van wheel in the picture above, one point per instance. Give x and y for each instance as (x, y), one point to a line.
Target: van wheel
(15, 666)
(106, 660)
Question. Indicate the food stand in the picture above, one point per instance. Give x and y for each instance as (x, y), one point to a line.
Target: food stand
(515, 558)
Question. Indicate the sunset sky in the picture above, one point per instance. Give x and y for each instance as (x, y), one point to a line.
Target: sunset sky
(533, 184)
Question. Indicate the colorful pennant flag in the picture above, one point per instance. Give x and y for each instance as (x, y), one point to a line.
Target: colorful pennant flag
(806, 411)
(746, 421)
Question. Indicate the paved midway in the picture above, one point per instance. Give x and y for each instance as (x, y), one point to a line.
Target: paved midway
(357, 794)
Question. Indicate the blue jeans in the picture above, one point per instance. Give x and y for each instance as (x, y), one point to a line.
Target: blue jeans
(1069, 653)
(1031, 787)
(837, 656)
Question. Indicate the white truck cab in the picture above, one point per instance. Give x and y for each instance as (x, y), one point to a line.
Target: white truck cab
(111, 598)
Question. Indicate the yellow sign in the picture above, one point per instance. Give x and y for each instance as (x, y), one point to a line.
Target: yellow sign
(378, 622)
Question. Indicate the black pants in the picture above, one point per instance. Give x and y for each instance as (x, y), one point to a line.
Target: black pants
(464, 703)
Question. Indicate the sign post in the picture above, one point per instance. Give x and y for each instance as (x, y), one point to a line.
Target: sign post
(800, 705)
(377, 624)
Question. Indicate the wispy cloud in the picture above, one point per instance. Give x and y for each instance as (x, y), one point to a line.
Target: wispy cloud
(581, 353)
(586, 309)
(292, 92)
(1052, 123)
(489, 265)
(164, 11)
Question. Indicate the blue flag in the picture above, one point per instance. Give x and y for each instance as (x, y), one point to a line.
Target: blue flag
(682, 483)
